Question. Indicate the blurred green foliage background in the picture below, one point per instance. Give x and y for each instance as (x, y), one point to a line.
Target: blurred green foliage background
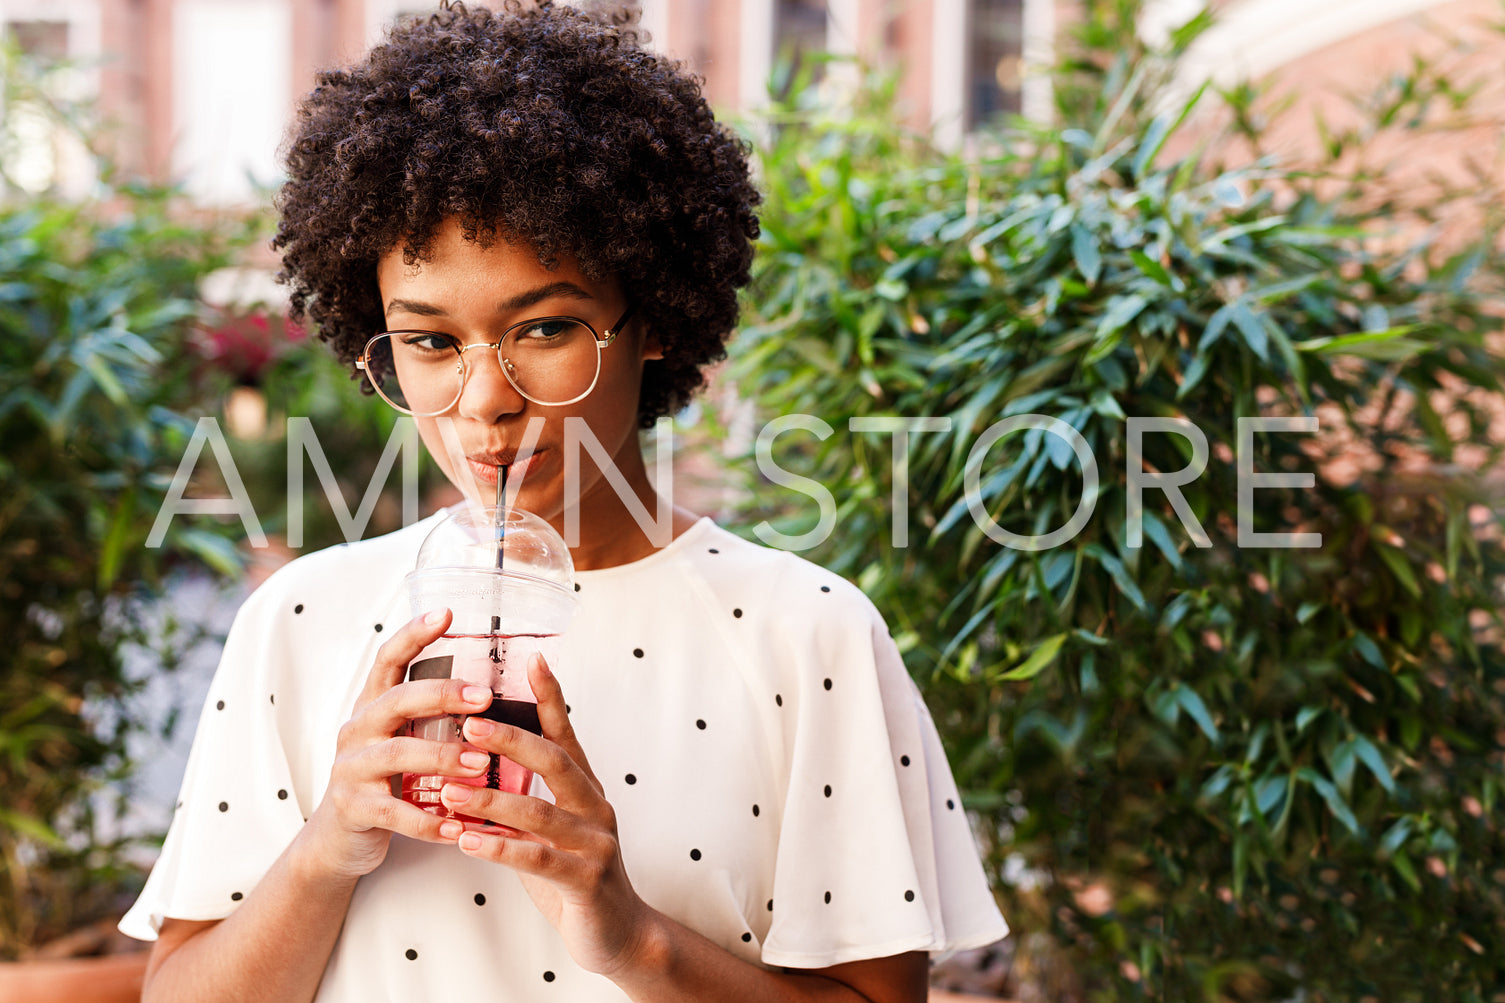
(1202, 771)
(109, 355)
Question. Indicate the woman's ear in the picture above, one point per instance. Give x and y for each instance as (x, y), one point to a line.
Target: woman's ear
(651, 348)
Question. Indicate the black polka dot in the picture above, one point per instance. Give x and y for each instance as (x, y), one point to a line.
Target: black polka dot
(715, 551)
(828, 898)
(548, 976)
(236, 896)
(903, 760)
(480, 899)
(631, 778)
(410, 954)
(778, 699)
(282, 795)
(378, 628)
(224, 806)
(825, 588)
(273, 698)
(737, 613)
(694, 854)
(700, 723)
(566, 708)
(827, 683)
(577, 586)
(298, 608)
(770, 905)
(909, 896)
(828, 790)
(747, 938)
(219, 705)
(950, 804)
(755, 811)
(637, 652)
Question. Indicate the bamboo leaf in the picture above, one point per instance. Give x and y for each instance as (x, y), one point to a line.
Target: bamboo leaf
(1330, 794)
(1405, 869)
(1039, 660)
(1253, 330)
(1121, 310)
(1396, 561)
(1089, 261)
(1121, 578)
(1151, 268)
(1391, 345)
(1193, 705)
(1370, 755)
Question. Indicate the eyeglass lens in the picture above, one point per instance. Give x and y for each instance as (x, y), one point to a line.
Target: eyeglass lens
(551, 361)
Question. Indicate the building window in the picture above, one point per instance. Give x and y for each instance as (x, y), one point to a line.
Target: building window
(32, 138)
(995, 61)
(227, 121)
(46, 41)
(799, 31)
(609, 7)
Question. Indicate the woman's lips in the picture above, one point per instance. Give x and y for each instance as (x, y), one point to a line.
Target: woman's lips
(486, 472)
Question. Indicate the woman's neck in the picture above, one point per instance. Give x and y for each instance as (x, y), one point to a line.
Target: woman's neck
(613, 531)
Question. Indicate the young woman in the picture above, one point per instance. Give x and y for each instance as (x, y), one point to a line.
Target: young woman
(749, 801)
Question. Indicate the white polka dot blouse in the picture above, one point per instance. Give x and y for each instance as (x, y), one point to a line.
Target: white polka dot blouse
(778, 783)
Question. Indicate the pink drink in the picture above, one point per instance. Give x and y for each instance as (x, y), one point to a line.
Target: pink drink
(507, 580)
(495, 660)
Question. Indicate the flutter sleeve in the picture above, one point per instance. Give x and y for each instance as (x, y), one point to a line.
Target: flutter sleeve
(236, 810)
(876, 855)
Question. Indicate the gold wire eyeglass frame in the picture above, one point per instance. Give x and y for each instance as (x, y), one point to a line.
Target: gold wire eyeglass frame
(363, 361)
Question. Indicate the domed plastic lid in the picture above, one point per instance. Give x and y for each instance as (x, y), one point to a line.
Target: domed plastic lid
(469, 538)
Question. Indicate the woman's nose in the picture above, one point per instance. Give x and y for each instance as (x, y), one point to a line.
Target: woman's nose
(487, 394)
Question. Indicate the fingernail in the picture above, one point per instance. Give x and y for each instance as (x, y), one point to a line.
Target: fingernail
(470, 841)
(433, 616)
(475, 760)
(478, 695)
(451, 829)
(457, 793)
(479, 726)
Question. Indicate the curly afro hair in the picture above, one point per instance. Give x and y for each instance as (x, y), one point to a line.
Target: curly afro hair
(543, 124)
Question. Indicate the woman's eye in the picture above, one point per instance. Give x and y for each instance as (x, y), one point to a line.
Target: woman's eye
(544, 330)
(425, 341)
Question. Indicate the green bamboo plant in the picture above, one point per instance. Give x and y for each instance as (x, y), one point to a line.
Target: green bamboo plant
(97, 393)
(1203, 769)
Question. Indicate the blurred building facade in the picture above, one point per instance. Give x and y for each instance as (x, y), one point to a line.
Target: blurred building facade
(201, 90)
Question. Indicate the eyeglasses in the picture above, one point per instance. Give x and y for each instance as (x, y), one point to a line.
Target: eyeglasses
(549, 360)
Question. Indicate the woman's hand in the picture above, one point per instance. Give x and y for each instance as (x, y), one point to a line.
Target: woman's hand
(349, 831)
(566, 853)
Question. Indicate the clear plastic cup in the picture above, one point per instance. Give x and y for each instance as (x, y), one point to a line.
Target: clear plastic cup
(503, 612)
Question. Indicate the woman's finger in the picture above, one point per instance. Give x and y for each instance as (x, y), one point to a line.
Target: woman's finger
(401, 754)
(404, 702)
(573, 788)
(392, 658)
(527, 856)
(375, 809)
(554, 715)
(533, 817)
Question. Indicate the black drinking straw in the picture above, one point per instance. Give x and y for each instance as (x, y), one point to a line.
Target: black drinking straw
(501, 511)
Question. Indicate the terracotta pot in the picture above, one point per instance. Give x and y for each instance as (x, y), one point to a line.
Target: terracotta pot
(114, 978)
